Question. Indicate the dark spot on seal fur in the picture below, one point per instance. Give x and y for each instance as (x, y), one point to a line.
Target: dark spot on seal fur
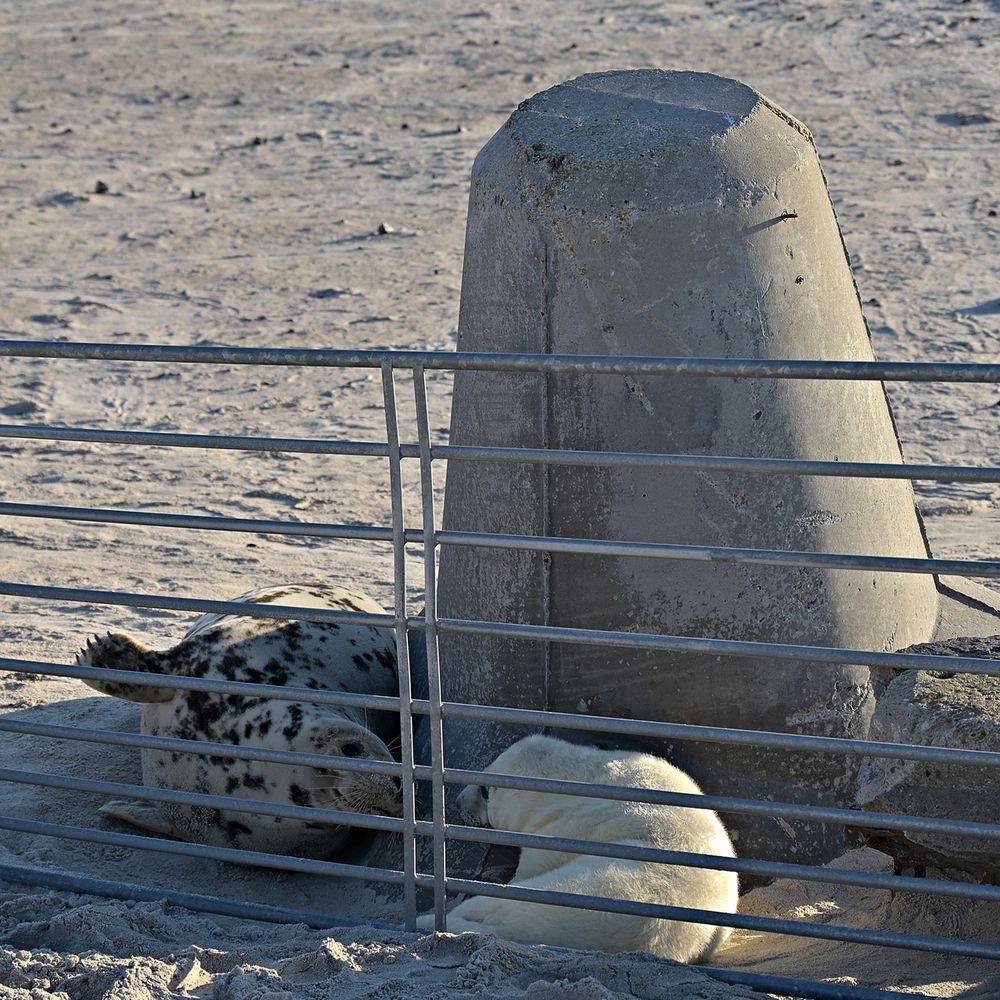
(386, 658)
(232, 664)
(276, 672)
(232, 783)
(349, 602)
(273, 595)
(294, 726)
(300, 796)
(234, 828)
(253, 781)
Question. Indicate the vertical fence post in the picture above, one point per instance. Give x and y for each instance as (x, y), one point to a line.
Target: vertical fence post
(402, 651)
(430, 635)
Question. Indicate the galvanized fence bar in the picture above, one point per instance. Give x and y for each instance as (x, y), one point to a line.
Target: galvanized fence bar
(309, 814)
(79, 595)
(535, 543)
(809, 989)
(582, 364)
(732, 804)
(718, 463)
(768, 869)
(378, 702)
(464, 777)
(720, 554)
(792, 742)
(377, 449)
(433, 662)
(721, 647)
(743, 921)
(538, 633)
(27, 875)
(224, 442)
(254, 859)
(743, 866)
(795, 742)
(407, 787)
(200, 748)
(155, 519)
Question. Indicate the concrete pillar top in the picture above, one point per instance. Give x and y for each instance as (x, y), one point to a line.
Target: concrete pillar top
(627, 115)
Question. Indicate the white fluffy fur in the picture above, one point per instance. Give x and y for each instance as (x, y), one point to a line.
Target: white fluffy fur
(666, 827)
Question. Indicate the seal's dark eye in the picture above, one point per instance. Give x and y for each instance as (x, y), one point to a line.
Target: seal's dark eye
(352, 750)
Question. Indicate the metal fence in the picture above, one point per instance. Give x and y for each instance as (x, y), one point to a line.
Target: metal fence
(437, 828)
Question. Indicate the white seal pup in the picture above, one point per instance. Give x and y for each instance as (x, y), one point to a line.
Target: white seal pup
(635, 823)
(321, 656)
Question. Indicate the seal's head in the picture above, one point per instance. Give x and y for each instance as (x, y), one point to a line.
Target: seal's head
(534, 756)
(341, 787)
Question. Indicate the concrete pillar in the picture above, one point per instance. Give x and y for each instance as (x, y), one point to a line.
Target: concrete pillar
(672, 213)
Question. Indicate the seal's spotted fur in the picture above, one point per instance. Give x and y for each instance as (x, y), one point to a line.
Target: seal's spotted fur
(320, 656)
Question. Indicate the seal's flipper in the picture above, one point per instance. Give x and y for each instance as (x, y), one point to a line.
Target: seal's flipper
(144, 815)
(118, 651)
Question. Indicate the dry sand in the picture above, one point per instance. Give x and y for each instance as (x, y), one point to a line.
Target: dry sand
(250, 152)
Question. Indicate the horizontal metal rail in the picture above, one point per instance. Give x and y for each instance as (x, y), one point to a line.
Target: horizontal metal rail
(580, 364)
(518, 716)
(721, 803)
(808, 989)
(689, 859)
(223, 442)
(254, 859)
(155, 519)
(743, 921)
(687, 914)
(200, 748)
(161, 602)
(506, 838)
(720, 554)
(316, 696)
(720, 647)
(731, 804)
(25, 875)
(83, 884)
(533, 543)
(229, 803)
(793, 742)
(545, 456)
(537, 633)
(718, 463)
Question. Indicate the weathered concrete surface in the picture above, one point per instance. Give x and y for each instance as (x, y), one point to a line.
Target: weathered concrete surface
(672, 214)
(941, 710)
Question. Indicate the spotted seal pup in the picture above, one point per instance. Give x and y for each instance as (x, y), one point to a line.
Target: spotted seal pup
(321, 656)
(640, 824)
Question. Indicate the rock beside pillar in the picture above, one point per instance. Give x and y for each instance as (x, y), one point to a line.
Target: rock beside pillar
(941, 710)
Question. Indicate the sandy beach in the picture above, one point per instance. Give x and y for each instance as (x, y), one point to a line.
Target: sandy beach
(295, 174)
